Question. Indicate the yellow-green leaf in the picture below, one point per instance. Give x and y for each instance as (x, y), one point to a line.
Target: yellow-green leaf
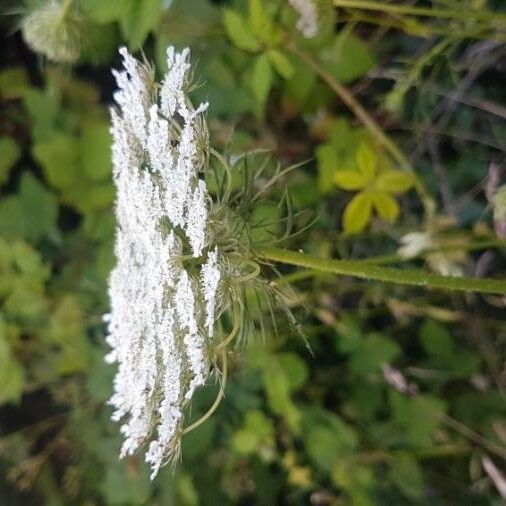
(366, 160)
(239, 32)
(386, 206)
(350, 180)
(281, 63)
(395, 181)
(261, 78)
(357, 213)
(260, 22)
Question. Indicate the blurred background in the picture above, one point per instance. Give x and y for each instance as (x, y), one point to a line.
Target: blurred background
(401, 399)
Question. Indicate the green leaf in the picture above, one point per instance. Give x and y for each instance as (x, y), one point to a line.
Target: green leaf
(125, 483)
(261, 78)
(59, 159)
(394, 181)
(11, 380)
(417, 416)
(348, 58)
(30, 215)
(281, 63)
(66, 332)
(357, 213)
(261, 24)
(39, 206)
(366, 160)
(436, 340)
(13, 83)
(407, 476)
(43, 108)
(239, 32)
(139, 19)
(95, 149)
(105, 12)
(10, 153)
(350, 180)
(277, 388)
(328, 161)
(295, 370)
(386, 206)
(327, 439)
(375, 351)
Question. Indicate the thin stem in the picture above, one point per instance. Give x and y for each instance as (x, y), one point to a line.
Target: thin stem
(352, 103)
(393, 8)
(369, 123)
(232, 334)
(361, 269)
(216, 402)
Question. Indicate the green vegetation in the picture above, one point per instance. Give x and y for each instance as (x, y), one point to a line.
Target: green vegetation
(394, 116)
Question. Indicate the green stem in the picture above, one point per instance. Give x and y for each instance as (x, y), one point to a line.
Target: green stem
(353, 104)
(216, 402)
(393, 8)
(361, 269)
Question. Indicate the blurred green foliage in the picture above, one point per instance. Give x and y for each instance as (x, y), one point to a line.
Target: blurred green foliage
(401, 392)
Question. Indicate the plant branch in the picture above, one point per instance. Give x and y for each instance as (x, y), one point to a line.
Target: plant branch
(393, 8)
(361, 269)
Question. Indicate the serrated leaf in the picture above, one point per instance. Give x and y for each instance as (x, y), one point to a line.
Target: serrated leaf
(239, 32)
(281, 63)
(357, 213)
(386, 206)
(394, 181)
(9, 155)
(350, 180)
(261, 78)
(366, 160)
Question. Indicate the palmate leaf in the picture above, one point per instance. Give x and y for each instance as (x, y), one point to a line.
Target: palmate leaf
(385, 205)
(366, 161)
(357, 213)
(394, 181)
(350, 180)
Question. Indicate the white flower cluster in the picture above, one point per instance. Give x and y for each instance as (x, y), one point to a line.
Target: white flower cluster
(308, 20)
(162, 314)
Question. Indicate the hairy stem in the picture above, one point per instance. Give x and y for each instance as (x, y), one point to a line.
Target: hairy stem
(361, 269)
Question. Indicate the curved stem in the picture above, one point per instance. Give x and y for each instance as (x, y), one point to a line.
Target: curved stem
(232, 334)
(361, 269)
(216, 402)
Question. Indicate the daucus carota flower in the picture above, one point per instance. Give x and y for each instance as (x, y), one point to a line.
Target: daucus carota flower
(307, 23)
(162, 309)
(184, 257)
